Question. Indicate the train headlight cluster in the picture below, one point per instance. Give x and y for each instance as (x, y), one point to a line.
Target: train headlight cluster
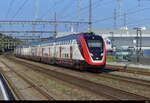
(91, 54)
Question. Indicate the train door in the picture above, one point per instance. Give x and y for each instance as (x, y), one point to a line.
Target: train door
(49, 57)
(60, 59)
(71, 54)
(54, 59)
(42, 54)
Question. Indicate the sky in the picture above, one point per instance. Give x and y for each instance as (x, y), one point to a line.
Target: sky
(137, 12)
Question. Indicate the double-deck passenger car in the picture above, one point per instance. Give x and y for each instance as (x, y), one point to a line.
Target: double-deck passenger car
(80, 51)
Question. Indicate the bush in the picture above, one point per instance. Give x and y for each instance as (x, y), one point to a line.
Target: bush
(111, 58)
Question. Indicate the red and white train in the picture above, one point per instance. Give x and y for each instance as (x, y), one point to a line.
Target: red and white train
(81, 51)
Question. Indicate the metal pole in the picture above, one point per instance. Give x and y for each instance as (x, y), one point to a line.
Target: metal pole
(115, 18)
(137, 45)
(90, 15)
(112, 39)
(125, 14)
(79, 9)
(36, 9)
(55, 17)
(140, 42)
(139, 3)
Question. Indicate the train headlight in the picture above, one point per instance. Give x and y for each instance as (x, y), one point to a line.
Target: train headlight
(91, 54)
(102, 54)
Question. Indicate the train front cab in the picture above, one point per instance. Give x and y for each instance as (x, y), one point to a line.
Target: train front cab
(93, 51)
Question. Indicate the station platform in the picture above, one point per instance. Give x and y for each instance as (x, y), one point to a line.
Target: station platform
(5, 93)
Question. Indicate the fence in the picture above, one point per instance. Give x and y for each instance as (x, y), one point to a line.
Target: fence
(129, 55)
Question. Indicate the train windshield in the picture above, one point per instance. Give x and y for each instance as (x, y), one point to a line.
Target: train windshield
(95, 46)
(94, 43)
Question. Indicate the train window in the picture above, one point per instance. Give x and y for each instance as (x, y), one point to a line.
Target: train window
(94, 43)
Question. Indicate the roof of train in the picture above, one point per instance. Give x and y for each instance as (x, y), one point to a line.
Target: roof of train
(68, 37)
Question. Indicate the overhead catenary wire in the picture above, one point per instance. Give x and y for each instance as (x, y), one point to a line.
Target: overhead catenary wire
(65, 8)
(96, 4)
(9, 9)
(82, 9)
(136, 23)
(49, 11)
(20, 8)
(67, 11)
(129, 13)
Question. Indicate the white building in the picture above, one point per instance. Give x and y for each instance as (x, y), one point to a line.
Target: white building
(126, 38)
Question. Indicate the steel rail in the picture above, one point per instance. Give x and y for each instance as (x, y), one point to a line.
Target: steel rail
(122, 69)
(130, 80)
(108, 91)
(44, 93)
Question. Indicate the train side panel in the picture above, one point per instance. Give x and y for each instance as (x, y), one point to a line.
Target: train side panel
(66, 51)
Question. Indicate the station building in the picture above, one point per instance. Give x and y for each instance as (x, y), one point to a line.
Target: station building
(123, 37)
(126, 38)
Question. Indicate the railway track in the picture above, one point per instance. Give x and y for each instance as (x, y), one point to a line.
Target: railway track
(129, 71)
(107, 91)
(30, 82)
(130, 80)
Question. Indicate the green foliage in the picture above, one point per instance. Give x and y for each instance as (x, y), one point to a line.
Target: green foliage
(111, 58)
(4, 42)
